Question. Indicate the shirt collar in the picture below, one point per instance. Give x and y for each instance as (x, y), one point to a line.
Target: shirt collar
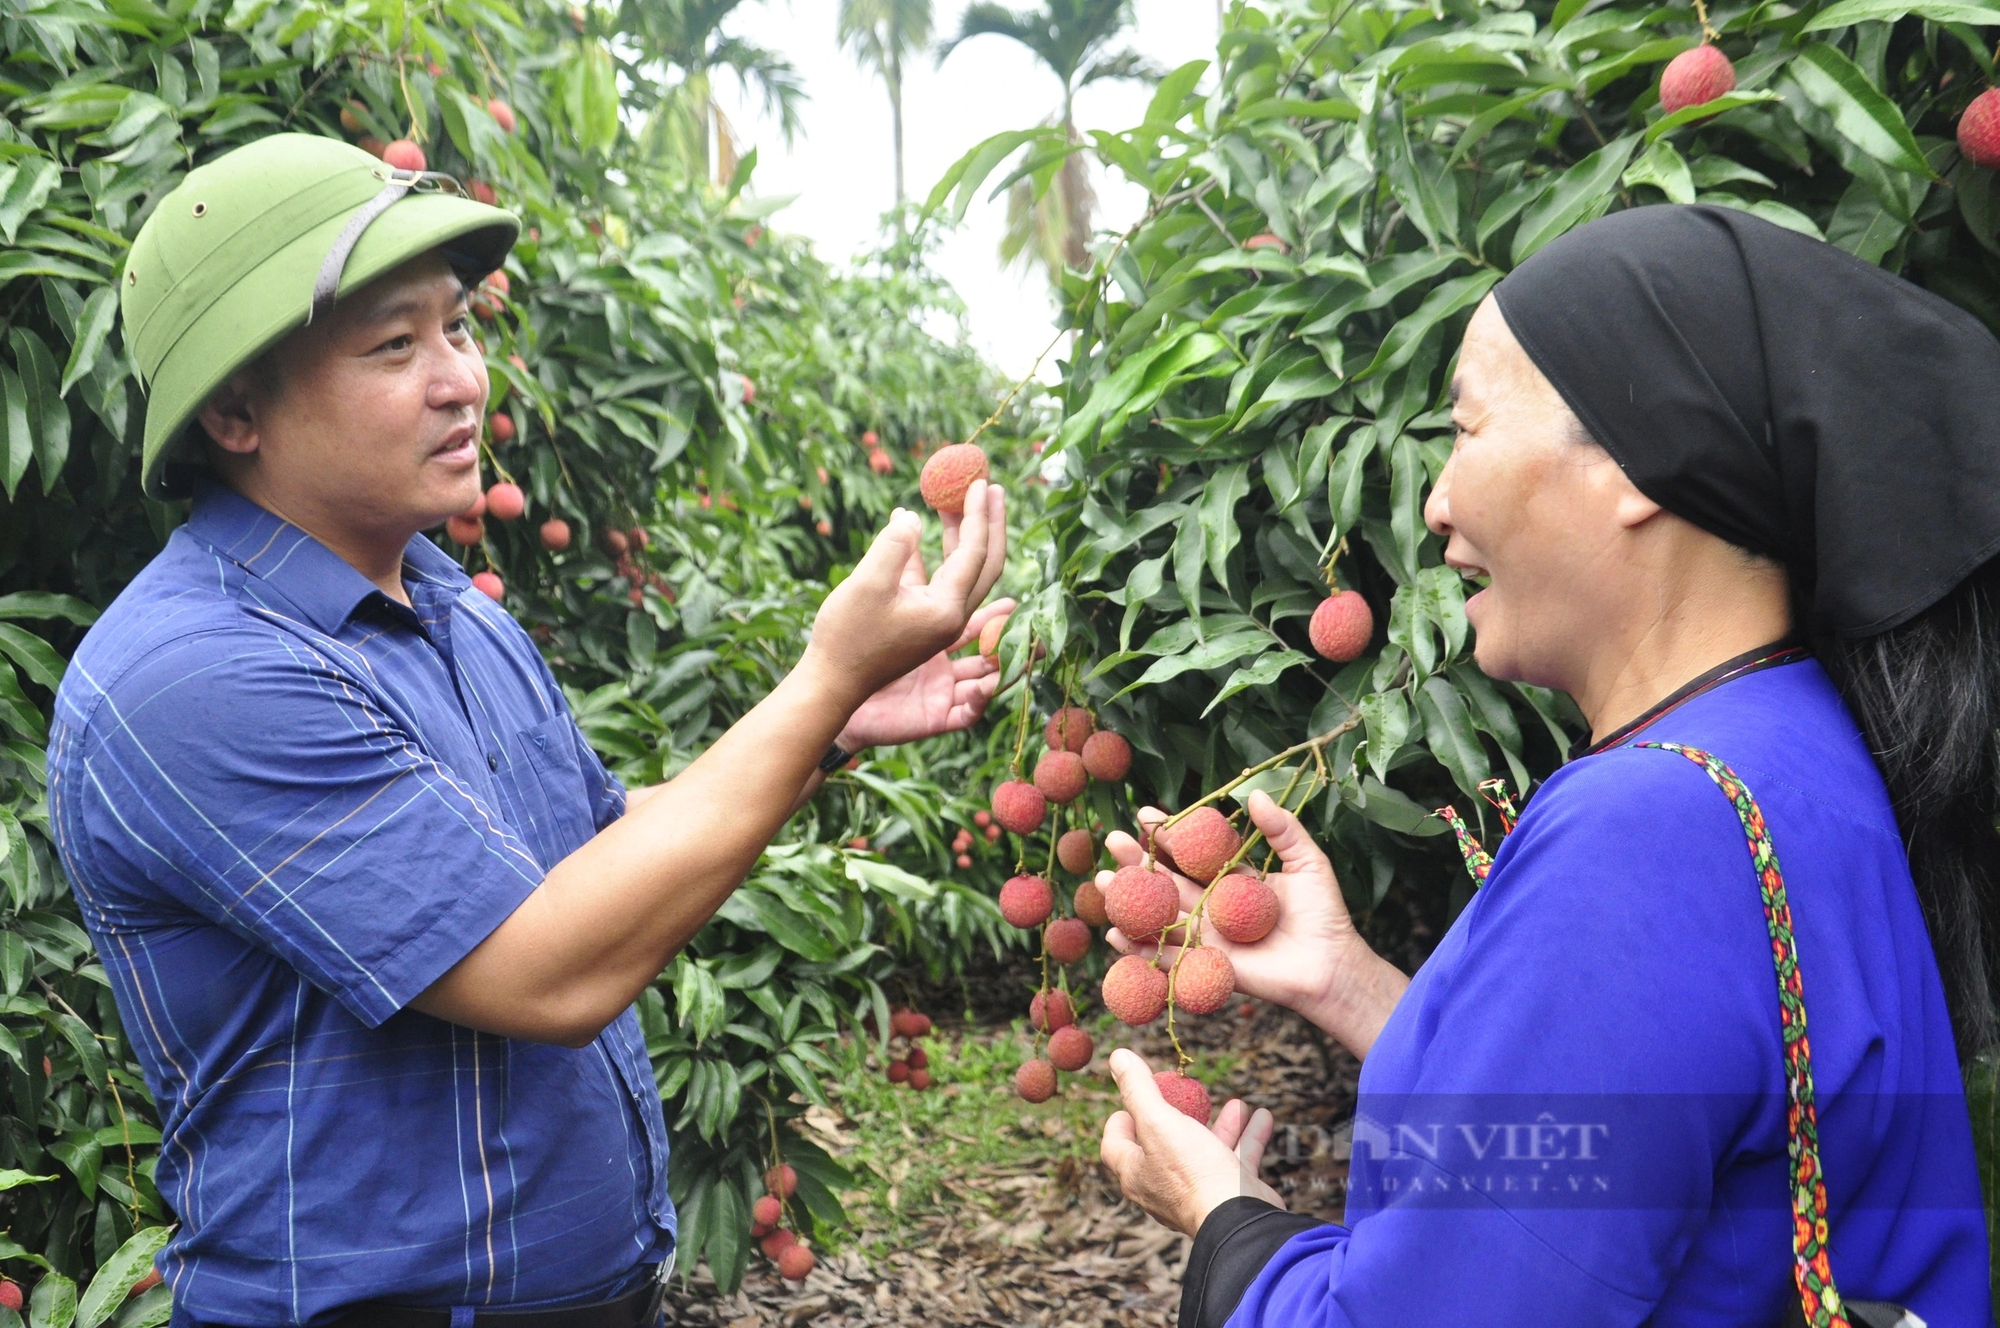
(324, 587)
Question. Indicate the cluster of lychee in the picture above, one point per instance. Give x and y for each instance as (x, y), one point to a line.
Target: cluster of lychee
(965, 840)
(1144, 903)
(1078, 752)
(913, 1067)
(628, 550)
(879, 461)
(767, 1226)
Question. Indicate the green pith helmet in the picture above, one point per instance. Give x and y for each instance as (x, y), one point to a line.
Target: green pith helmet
(228, 263)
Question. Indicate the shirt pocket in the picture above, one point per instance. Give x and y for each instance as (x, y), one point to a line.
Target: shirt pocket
(544, 778)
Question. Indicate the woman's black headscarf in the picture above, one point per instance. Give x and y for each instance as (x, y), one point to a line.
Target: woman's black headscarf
(1780, 394)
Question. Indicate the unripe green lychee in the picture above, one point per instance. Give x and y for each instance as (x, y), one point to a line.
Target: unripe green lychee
(1019, 806)
(1025, 901)
(1243, 908)
(1051, 1010)
(777, 1243)
(1070, 1048)
(1036, 1081)
(1694, 77)
(1089, 904)
(1077, 851)
(1140, 903)
(1203, 980)
(1183, 1094)
(1067, 940)
(1068, 729)
(1979, 130)
(949, 473)
(1107, 757)
(782, 1181)
(768, 1210)
(1202, 842)
(1135, 991)
(1060, 776)
(1341, 626)
(794, 1263)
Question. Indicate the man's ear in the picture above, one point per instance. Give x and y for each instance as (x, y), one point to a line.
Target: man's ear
(231, 416)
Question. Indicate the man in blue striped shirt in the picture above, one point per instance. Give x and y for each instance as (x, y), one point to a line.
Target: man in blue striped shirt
(374, 914)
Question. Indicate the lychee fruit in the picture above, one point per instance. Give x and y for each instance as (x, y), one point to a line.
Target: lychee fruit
(506, 502)
(555, 534)
(1265, 241)
(919, 1079)
(490, 585)
(880, 462)
(899, 1072)
(909, 1024)
(501, 426)
(1203, 980)
(992, 833)
(1068, 729)
(869, 438)
(982, 819)
(1107, 757)
(404, 155)
(918, 1059)
(1070, 1048)
(1135, 991)
(1076, 850)
(1089, 904)
(1067, 940)
(1035, 1081)
(989, 636)
(465, 529)
(1051, 1010)
(777, 1243)
(949, 473)
(615, 541)
(1141, 903)
(351, 122)
(1695, 76)
(1025, 901)
(482, 192)
(962, 861)
(769, 1210)
(1060, 776)
(782, 1181)
(145, 1284)
(1243, 908)
(1183, 1094)
(1202, 843)
(502, 113)
(1019, 806)
(1979, 130)
(794, 1263)
(1341, 626)
(10, 1295)
(823, 527)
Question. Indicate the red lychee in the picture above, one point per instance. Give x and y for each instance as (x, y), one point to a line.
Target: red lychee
(506, 502)
(1202, 842)
(909, 1024)
(1183, 1094)
(10, 1294)
(482, 192)
(880, 462)
(502, 428)
(465, 529)
(1060, 776)
(962, 861)
(794, 1263)
(1695, 76)
(502, 113)
(1107, 757)
(1036, 1081)
(899, 1072)
(1203, 980)
(769, 1210)
(1068, 729)
(949, 473)
(1051, 1010)
(989, 636)
(615, 541)
(1089, 904)
(145, 1284)
(1025, 901)
(1067, 939)
(1076, 850)
(1140, 902)
(1341, 626)
(404, 155)
(490, 585)
(823, 526)
(782, 1181)
(1243, 908)
(1135, 991)
(982, 819)
(777, 1243)
(1019, 806)
(555, 534)
(1265, 241)
(992, 833)
(869, 438)
(1979, 130)
(759, 1230)
(1070, 1048)
(919, 1079)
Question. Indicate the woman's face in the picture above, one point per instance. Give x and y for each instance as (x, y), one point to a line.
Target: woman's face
(1531, 506)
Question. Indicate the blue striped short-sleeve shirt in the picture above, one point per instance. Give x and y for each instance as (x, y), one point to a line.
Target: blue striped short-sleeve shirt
(287, 805)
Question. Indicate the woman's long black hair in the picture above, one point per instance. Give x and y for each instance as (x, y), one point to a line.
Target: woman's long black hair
(1927, 695)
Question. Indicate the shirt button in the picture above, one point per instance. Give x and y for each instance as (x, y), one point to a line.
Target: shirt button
(492, 760)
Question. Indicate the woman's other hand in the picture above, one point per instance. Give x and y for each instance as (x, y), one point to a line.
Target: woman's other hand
(1313, 961)
(1171, 1165)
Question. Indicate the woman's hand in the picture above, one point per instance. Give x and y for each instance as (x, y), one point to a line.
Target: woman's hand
(1175, 1168)
(1314, 961)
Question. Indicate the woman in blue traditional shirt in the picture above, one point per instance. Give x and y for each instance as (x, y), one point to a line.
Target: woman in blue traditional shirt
(1738, 494)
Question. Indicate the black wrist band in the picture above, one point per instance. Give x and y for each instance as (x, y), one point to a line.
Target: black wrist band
(836, 757)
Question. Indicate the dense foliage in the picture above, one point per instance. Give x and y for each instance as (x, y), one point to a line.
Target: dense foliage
(667, 364)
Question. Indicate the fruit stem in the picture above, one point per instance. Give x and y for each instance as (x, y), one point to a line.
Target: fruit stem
(1352, 721)
(1027, 703)
(1701, 14)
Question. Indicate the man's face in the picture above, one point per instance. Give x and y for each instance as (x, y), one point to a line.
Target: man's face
(368, 419)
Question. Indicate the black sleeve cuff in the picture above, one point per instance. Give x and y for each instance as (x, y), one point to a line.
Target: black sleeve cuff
(1232, 1247)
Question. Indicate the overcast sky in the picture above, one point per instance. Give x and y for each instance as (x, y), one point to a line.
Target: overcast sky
(841, 168)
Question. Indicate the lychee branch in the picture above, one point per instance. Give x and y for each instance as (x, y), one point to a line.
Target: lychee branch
(1314, 745)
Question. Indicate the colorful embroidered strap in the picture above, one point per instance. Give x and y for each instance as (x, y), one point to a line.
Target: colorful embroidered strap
(1810, 1268)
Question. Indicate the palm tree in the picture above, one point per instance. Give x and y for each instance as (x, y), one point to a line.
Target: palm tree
(1070, 37)
(686, 125)
(881, 33)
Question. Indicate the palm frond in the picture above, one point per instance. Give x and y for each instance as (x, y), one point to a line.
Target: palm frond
(1121, 64)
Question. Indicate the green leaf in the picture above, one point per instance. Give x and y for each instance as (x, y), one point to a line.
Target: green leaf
(1862, 115)
(28, 189)
(40, 604)
(1850, 12)
(116, 1277)
(53, 1304)
(100, 311)
(1582, 194)
(35, 656)
(20, 439)
(1449, 733)
(11, 1178)
(1443, 301)
(1707, 110)
(1662, 167)
(1210, 654)
(46, 409)
(1266, 668)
